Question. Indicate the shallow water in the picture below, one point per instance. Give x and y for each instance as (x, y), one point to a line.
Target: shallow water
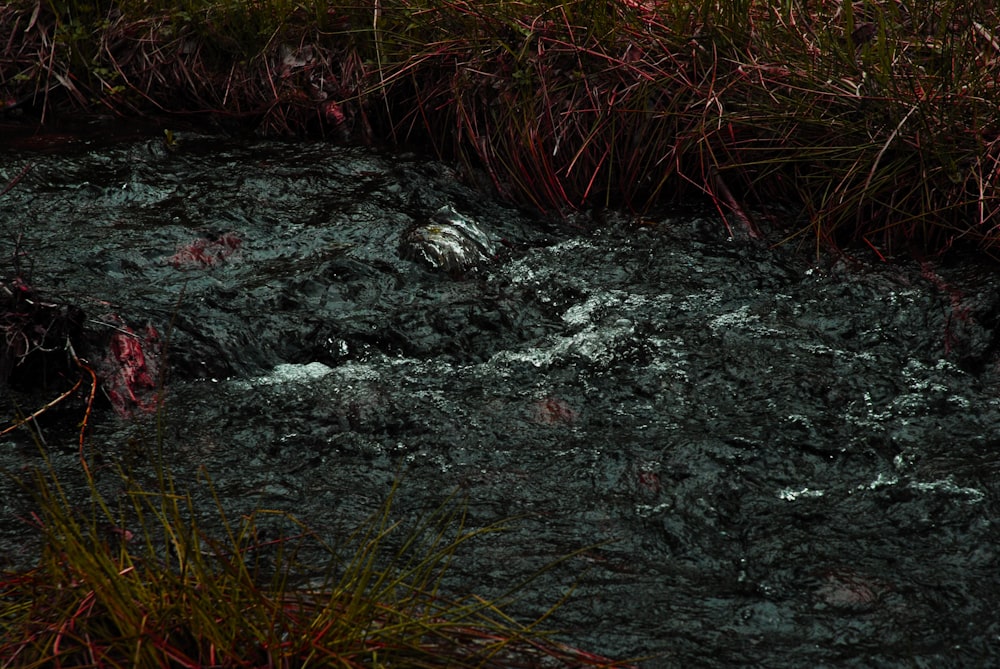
(794, 462)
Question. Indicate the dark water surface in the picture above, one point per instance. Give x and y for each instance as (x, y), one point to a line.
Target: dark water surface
(796, 461)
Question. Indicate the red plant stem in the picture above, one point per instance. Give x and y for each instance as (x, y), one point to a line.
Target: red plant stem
(45, 408)
(86, 415)
(719, 188)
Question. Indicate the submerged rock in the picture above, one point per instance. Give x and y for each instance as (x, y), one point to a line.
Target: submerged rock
(449, 242)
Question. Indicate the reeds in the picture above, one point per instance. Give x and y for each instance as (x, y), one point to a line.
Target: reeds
(838, 122)
(871, 122)
(141, 583)
(833, 121)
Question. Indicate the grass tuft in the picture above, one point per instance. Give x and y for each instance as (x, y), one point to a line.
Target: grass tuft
(140, 583)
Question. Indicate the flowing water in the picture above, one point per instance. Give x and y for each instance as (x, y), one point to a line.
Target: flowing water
(793, 461)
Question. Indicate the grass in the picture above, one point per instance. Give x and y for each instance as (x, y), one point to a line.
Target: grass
(824, 122)
(141, 583)
(868, 126)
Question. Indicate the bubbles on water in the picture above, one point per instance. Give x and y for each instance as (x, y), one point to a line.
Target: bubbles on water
(287, 374)
(791, 495)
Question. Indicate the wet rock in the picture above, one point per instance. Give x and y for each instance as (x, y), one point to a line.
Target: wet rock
(449, 242)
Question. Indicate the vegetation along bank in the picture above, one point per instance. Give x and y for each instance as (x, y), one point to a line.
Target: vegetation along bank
(871, 123)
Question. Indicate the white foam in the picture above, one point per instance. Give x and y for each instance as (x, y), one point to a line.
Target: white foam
(290, 373)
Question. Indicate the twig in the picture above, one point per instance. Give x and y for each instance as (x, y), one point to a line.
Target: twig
(90, 406)
(45, 408)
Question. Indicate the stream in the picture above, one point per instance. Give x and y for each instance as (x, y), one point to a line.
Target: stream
(770, 458)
